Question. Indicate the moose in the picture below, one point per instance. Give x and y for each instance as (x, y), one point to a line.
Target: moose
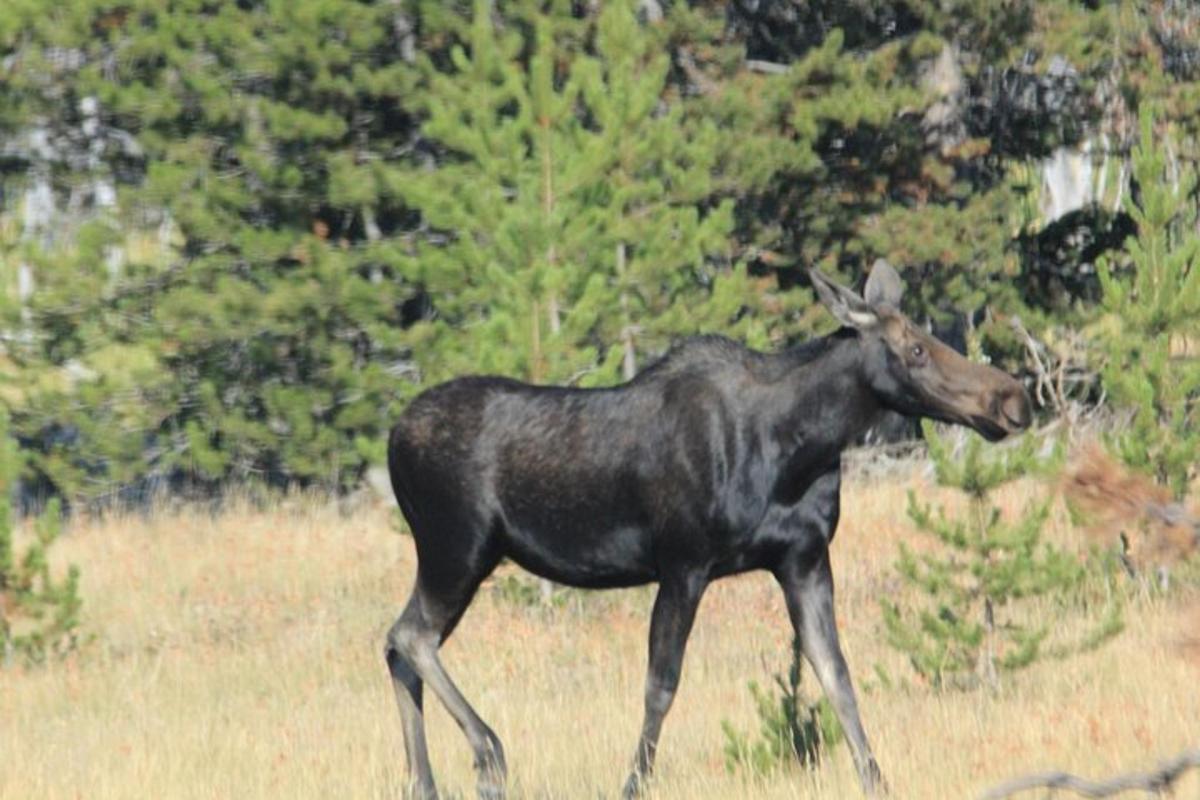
(713, 461)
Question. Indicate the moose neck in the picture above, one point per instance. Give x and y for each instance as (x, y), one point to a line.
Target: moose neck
(821, 398)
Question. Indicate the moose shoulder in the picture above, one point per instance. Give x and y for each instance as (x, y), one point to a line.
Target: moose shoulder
(713, 461)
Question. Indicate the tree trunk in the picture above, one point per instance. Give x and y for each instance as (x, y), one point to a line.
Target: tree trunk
(629, 362)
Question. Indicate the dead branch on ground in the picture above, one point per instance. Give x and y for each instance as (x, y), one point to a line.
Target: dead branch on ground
(1158, 782)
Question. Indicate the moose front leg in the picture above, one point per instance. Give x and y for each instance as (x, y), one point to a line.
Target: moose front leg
(670, 623)
(808, 589)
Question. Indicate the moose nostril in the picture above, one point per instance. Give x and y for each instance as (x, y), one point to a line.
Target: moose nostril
(1017, 409)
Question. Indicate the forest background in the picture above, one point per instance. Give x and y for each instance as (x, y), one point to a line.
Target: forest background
(236, 238)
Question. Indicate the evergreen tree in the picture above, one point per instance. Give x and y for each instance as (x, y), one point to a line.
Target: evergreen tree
(39, 613)
(549, 190)
(261, 336)
(1153, 320)
(791, 729)
(577, 223)
(973, 616)
(867, 150)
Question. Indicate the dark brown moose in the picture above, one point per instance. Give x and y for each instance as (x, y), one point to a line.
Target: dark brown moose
(713, 461)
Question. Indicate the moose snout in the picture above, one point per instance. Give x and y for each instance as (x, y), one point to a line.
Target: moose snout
(1016, 409)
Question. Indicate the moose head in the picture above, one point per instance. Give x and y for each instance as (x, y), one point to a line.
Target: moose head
(915, 374)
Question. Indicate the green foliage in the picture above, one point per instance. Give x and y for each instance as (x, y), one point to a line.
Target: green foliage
(39, 613)
(256, 333)
(1154, 309)
(790, 728)
(973, 617)
(579, 206)
(324, 206)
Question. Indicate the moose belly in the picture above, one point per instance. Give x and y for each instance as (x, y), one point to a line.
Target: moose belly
(572, 500)
(586, 544)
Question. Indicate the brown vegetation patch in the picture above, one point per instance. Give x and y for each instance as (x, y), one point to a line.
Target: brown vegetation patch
(1116, 501)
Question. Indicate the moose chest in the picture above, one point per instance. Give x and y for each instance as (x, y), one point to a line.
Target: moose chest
(791, 528)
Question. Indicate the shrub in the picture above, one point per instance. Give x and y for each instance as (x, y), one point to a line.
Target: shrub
(39, 614)
(790, 728)
(974, 618)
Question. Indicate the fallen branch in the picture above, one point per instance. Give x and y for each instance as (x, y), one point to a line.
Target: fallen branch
(1157, 782)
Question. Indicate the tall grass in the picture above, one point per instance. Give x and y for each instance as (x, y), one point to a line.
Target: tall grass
(239, 655)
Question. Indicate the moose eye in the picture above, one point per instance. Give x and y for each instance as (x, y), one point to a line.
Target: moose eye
(918, 351)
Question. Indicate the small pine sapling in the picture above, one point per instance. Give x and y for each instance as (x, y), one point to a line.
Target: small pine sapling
(791, 729)
(1153, 319)
(973, 618)
(39, 614)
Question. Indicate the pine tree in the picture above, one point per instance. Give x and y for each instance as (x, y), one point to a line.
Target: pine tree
(846, 170)
(1153, 320)
(258, 335)
(549, 190)
(576, 219)
(498, 265)
(790, 728)
(973, 617)
(39, 613)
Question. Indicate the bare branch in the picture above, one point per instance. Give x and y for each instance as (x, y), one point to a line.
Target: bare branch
(1156, 782)
(1060, 371)
(1033, 348)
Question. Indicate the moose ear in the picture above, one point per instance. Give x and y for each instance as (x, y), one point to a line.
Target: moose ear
(884, 287)
(847, 307)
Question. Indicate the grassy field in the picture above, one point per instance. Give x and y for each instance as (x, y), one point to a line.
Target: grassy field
(239, 655)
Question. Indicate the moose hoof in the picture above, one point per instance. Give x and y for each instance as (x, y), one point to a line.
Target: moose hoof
(492, 769)
(492, 779)
(491, 791)
(417, 791)
(874, 786)
(634, 787)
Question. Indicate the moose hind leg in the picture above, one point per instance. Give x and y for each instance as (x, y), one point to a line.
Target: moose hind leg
(809, 595)
(670, 624)
(408, 687)
(421, 629)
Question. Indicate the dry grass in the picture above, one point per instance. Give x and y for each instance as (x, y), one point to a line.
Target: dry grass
(239, 656)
